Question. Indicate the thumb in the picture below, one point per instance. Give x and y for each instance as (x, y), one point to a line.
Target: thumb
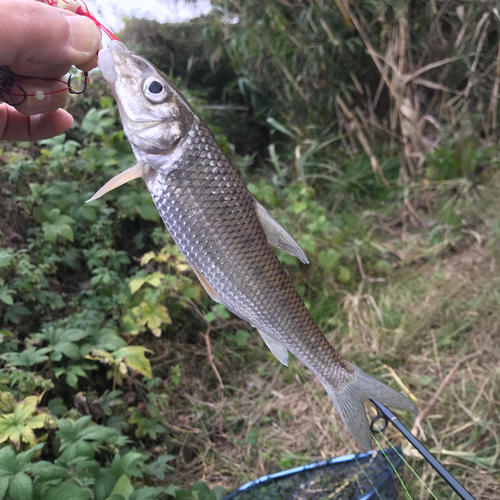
(33, 32)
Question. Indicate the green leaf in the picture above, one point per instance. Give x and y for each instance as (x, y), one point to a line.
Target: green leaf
(329, 258)
(135, 358)
(240, 338)
(146, 493)
(66, 232)
(210, 317)
(126, 464)
(221, 311)
(40, 214)
(47, 470)
(28, 357)
(148, 211)
(57, 407)
(344, 274)
(6, 295)
(65, 491)
(4, 484)
(58, 225)
(7, 460)
(96, 122)
(219, 492)
(73, 373)
(136, 284)
(15, 312)
(123, 487)
(172, 490)
(21, 487)
(160, 466)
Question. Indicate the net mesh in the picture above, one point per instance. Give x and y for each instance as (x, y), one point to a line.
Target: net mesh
(365, 476)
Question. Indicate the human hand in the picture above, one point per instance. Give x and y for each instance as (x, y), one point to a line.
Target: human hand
(41, 41)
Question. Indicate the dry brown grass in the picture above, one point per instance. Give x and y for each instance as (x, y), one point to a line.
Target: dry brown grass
(431, 313)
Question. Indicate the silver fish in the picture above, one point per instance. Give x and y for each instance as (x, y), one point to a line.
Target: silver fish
(225, 235)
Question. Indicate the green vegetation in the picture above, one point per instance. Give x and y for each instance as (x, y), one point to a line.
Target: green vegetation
(122, 380)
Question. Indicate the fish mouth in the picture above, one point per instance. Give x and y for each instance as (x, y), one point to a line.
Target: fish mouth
(106, 64)
(113, 61)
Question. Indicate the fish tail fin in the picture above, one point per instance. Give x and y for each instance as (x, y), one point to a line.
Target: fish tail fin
(348, 401)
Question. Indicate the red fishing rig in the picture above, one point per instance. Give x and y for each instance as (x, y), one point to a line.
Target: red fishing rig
(15, 95)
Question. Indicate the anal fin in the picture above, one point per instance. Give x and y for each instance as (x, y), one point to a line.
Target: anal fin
(277, 348)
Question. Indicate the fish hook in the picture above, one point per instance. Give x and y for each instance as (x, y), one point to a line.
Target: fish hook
(77, 92)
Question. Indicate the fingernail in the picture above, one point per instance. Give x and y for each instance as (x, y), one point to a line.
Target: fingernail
(40, 100)
(85, 35)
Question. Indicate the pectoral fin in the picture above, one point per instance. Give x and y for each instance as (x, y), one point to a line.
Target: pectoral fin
(277, 348)
(278, 236)
(205, 283)
(139, 170)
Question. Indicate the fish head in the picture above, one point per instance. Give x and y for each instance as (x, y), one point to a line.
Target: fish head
(154, 114)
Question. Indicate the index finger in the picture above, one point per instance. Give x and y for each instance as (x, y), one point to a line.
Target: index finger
(33, 32)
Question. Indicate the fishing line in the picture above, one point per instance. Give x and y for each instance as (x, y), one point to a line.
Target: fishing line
(393, 468)
(380, 430)
(409, 466)
(452, 482)
(8, 78)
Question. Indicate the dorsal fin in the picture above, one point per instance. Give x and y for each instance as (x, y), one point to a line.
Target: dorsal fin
(278, 236)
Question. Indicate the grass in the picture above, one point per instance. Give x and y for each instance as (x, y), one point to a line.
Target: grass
(437, 304)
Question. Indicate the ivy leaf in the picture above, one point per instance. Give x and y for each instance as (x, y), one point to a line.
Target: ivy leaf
(152, 316)
(18, 426)
(153, 279)
(135, 358)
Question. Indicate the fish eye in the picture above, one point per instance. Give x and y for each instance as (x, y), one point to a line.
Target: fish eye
(154, 90)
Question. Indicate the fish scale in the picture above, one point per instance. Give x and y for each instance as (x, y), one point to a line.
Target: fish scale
(224, 233)
(203, 195)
